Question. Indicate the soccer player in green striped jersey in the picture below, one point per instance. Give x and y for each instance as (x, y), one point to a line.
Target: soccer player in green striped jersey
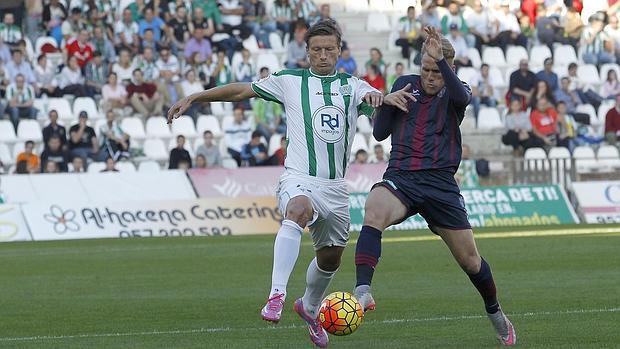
(322, 107)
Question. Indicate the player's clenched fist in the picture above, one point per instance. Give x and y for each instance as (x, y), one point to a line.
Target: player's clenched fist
(400, 98)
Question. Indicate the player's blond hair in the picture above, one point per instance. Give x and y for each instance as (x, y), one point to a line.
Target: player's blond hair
(446, 48)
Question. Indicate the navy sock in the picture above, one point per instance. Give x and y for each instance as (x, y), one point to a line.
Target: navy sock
(367, 253)
(483, 281)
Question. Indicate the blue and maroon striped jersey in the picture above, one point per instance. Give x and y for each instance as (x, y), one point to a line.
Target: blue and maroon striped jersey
(428, 137)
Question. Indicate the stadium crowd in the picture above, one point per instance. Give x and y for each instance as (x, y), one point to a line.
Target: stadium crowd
(137, 58)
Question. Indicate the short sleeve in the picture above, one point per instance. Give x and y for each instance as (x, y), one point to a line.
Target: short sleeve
(362, 89)
(270, 88)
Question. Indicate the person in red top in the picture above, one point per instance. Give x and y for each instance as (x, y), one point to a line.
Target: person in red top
(280, 154)
(80, 48)
(374, 78)
(144, 96)
(612, 123)
(544, 122)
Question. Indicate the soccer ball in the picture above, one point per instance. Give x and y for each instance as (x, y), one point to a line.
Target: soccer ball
(340, 313)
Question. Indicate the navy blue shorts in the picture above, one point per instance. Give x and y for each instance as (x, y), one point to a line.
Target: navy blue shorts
(431, 193)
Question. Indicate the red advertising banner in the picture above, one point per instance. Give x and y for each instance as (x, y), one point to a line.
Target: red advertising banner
(262, 181)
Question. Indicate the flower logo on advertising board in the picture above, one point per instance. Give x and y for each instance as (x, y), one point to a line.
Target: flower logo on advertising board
(62, 220)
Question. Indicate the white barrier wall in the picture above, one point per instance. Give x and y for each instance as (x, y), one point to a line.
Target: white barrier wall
(599, 201)
(96, 187)
(12, 225)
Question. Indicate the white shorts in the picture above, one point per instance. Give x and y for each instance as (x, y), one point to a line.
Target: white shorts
(330, 201)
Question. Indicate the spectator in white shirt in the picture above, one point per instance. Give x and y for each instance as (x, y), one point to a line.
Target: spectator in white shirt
(71, 80)
(479, 22)
(124, 67)
(126, 31)
(20, 97)
(508, 28)
(237, 134)
(482, 90)
(45, 74)
(114, 94)
(232, 17)
(613, 32)
(245, 71)
(189, 86)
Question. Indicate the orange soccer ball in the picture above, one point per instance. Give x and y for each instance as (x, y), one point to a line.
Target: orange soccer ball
(341, 314)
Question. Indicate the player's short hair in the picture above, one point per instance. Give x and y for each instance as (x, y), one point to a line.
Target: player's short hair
(446, 48)
(324, 28)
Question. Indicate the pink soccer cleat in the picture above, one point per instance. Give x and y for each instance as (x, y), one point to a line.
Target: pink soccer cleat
(272, 311)
(318, 336)
(505, 330)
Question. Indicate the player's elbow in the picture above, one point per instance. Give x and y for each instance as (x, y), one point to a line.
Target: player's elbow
(380, 134)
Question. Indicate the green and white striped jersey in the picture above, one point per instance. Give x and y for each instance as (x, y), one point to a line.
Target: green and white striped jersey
(321, 114)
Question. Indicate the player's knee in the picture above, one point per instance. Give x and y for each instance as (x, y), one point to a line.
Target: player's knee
(299, 213)
(328, 259)
(470, 263)
(376, 216)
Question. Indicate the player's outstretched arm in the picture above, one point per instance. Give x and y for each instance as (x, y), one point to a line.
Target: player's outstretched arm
(234, 92)
(393, 103)
(460, 93)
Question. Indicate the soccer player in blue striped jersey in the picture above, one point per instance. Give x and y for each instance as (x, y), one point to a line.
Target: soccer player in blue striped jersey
(322, 107)
(423, 114)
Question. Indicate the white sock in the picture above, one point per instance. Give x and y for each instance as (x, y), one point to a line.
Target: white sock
(285, 253)
(317, 281)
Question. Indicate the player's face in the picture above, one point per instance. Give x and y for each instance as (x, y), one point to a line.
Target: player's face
(432, 81)
(323, 52)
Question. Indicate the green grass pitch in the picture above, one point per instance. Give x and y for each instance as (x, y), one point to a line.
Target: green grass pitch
(562, 292)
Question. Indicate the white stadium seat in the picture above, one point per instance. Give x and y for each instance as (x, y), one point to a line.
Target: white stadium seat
(155, 149)
(608, 158)
(377, 22)
(560, 160)
(125, 166)
(134, 127)
(251, 44)
(356, 6)
(588, 109)
(584, 159)
(184, 126)
(227, 121)
(274, 143)
(18, 148)
(275, 41)
(5, 154)
(588, 74)
(157, 127)
(535, 159)
(359, 142)
(61, 106)
(96, 167)
(208, 122)
(87, 104)
(221, 108)
(363, 125)
(514, 54)
(42, 40)
(474, 57)
(538, 54)
(605, 107)
(29, 130)
(489, 118)
(381, 5)
(468, 74)
(559, 153)
(41, 105)
(494, 57)
(7, 132)
(149, 166)
(269, 60)
(564, 55)
(386, 143)
(606, 68)
(497, 79)
(229, 163)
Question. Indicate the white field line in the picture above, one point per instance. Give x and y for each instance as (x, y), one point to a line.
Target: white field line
(270, 328)
(43, 251)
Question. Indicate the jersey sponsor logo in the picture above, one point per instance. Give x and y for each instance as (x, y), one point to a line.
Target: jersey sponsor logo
(346, 90)
(321, 93)
(328, 124)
